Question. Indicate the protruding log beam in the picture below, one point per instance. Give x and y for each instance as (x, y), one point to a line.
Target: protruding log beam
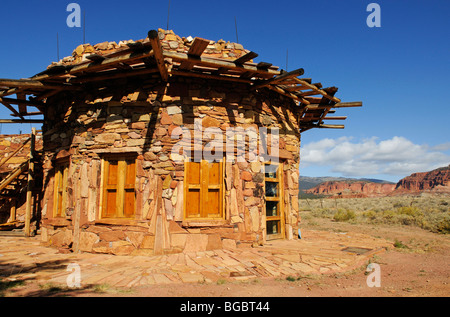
(11, 108)
(158, 54)
(21, 102)
(334, 118)
(245, 58)
(348, 104)
(288, 94)
(320, 91)
(34, 84)
(331, 126)
(281, 77)
(21, 121)
(34, 113)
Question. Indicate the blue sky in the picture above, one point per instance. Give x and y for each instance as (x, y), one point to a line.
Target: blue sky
(399, 71)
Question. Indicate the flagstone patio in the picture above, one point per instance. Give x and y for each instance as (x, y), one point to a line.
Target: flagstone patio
(316, 253)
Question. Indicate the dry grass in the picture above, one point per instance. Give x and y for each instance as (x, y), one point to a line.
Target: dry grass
(429, 212)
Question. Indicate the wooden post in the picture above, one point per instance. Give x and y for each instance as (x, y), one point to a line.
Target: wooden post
(12, 212)
(30, 184)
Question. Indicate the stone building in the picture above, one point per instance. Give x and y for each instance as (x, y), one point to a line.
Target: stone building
(169, 144)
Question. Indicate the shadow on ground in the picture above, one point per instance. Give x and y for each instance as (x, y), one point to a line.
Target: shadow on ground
(20, 280)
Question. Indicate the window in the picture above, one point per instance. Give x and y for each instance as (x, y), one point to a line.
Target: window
(60, 199)
(118, 187)
(204, 190)
(274, 210)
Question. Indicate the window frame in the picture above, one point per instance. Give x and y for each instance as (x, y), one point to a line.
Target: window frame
(279, 199)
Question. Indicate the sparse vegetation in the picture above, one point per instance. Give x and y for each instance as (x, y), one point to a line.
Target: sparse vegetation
(344, 215)
(429, 212)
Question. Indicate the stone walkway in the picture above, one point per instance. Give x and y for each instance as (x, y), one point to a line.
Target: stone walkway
(316, 253)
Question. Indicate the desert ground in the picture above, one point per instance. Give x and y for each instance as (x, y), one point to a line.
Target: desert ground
(417, 264)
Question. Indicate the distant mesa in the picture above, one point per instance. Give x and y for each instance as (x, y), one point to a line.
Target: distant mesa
(435, 181)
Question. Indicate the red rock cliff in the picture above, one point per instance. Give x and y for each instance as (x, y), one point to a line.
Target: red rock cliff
(345, 189)
(437, 180)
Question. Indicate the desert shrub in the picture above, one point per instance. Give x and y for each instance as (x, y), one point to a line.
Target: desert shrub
(398, 204)
(388, 214)
(344, 215)
(443, 226)
(410, 211)
(323, 212)
(370, 214)
(400, 244)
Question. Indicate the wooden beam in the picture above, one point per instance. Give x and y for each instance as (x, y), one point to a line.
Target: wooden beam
(109, 63)
(30, 185)
(21, 102)
(198, 47)
(34, 84)
(158, 54)
(34, 113)
(218, 63)
(11, 91)
(209, 76)
(263, 65)
(320, 91)
(334, 118)
(288, 94)
(114, 75)
(348, 104)
(20, 121)
(281, 77)
(331, 126)
(245, 58)
(11, 108)
(323, 126)
(196, 50)
(6, 159)
(22, 168)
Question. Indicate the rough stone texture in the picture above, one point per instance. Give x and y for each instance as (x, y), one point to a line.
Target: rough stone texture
(143, 120)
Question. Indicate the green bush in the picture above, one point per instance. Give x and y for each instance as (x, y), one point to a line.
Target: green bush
(344, 215)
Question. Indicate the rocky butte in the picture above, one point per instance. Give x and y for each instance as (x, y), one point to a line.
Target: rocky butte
(435, 181)
(352, 189)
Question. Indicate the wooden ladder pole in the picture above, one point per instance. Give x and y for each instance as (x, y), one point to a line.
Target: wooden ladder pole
(30, 184)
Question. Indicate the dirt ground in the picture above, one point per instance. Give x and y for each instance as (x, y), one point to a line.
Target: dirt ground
(419, 266)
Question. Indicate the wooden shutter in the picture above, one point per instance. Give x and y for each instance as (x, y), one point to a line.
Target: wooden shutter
(204, 196)
(213, 190)
(129, 194)
(119, 191)
(193, 184)
(60, 201)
